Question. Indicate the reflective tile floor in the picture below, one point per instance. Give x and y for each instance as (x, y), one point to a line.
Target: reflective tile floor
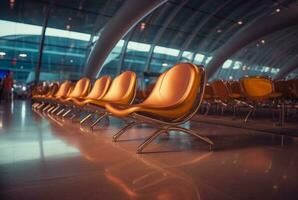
(42, 157)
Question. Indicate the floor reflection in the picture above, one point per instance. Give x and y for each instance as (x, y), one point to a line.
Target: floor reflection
(137, 177)
(41, 154)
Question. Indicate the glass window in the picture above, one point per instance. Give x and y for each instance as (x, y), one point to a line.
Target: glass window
(19, 44)
(137, 46)
(199, 58)
(166, 51)
(227, 64)
(187, 56)
(208, 60)
(237, 65)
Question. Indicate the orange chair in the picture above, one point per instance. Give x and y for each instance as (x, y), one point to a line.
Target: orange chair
(122, 91)
(39, 91)
(235, 89)
(53, 88)
(295, 88)
(228, 95)
(62, 93)
(208, 98)
(80, 91)
(173, 101)
(283, 90)
(257, 90)
(284, 95)
(98, 91)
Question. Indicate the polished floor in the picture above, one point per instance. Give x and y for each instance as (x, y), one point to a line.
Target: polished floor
(42, 157)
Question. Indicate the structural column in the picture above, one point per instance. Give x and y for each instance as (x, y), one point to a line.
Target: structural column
(131, 12)
(41, 45)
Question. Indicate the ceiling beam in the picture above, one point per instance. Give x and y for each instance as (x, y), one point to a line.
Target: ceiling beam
(131, 12)
(285, 70)
(250, 33)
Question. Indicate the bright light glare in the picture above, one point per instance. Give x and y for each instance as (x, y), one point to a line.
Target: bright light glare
(9, 28)
(23, 55)
(227, 64)
(167, 51)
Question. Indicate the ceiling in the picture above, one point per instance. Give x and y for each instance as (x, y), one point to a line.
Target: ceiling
(190, 25)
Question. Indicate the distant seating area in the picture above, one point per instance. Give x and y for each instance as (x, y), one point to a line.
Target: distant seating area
(177, 95)
(252, 93)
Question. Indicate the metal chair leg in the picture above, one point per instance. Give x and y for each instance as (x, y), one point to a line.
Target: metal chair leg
(60, 112)
(47, 107)
(40, 106)
(55, 109)
(149, 140)
(34, 105)
(85, 118)
(190, 132)
(123, 130)
(66, 113)
(97, 121)
(207, 109)
(248, 114)
(50, 109)
(282, 114)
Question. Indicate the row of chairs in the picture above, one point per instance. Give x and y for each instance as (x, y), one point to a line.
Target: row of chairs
(174, 100)
(253, 93)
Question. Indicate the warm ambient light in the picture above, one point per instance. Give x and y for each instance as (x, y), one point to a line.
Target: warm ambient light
(12, 3)
(2, 53)
(23, 55)
(143, 26)
(239, 22)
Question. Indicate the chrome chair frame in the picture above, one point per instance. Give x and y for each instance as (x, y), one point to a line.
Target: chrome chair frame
(102, 112)
(252, 106)
(164, 126)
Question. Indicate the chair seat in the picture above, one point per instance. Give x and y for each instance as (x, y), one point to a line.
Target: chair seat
(82, 101)
(100, 103)
(167, 112)
(235, 95)
(275, 95)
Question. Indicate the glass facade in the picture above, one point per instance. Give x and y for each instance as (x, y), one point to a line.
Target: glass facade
(72, 31)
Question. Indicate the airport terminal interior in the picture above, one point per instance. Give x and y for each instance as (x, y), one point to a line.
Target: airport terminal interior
(149, 99)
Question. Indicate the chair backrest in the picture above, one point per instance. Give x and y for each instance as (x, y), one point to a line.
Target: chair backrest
(234, 88)
(285, 88)
(220, 89)
(53, 89)
(180, 90)
(122, 89)
(257, 88)
(64, 89)
(42, 89)
(81, 88)
(208, 92)
(295, 87)
(100, 88)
